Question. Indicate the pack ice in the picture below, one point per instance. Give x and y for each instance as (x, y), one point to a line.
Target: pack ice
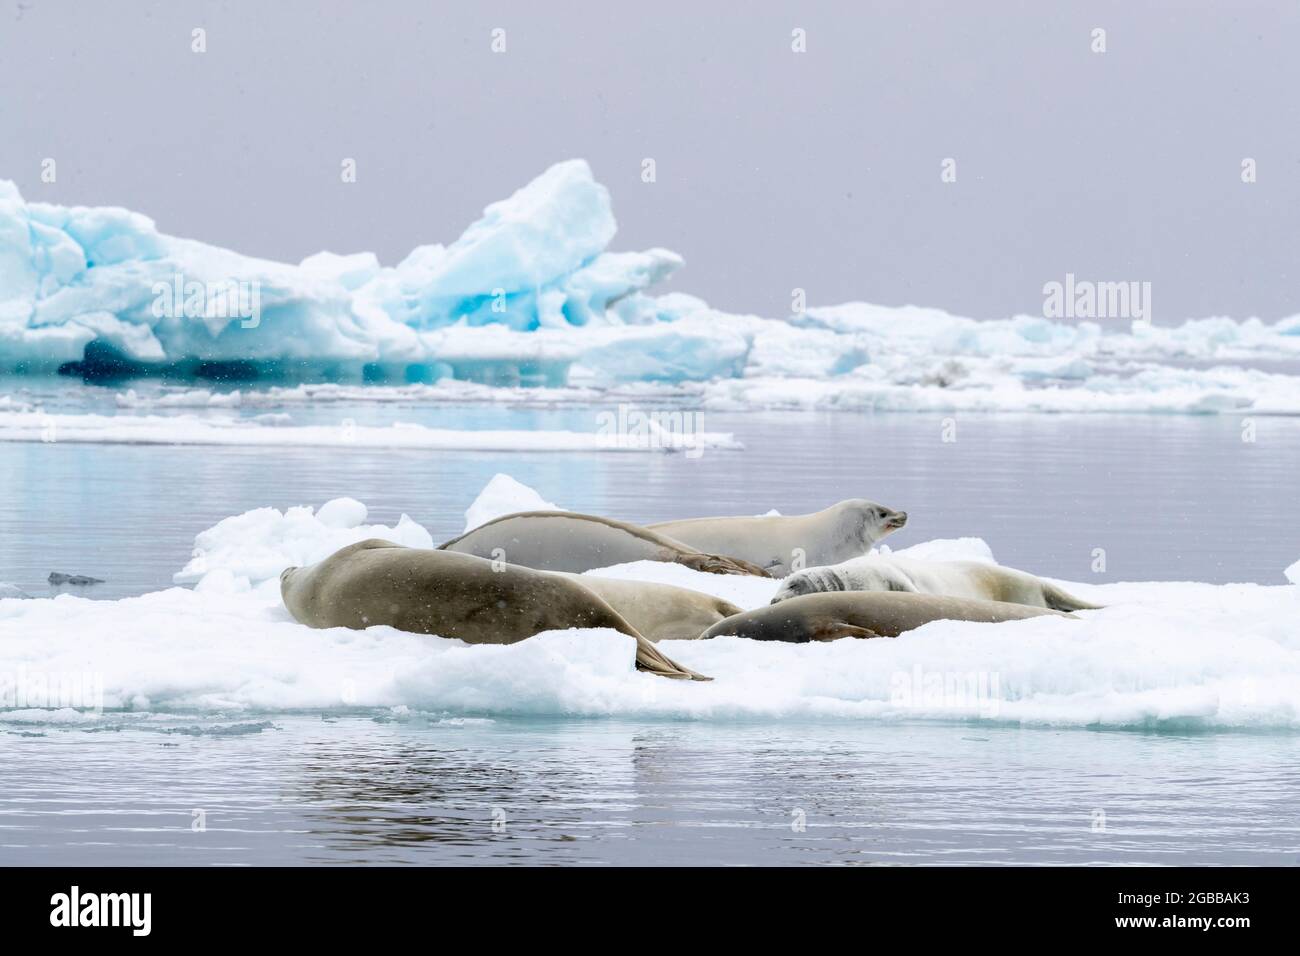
(531, 294)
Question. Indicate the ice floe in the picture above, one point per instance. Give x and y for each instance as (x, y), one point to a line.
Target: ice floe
(276, 430)
(1159, 655)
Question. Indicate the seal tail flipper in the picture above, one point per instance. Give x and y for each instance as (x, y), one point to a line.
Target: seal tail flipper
(721, 564)
(650, 658)
(834, 630)
(1060, 600)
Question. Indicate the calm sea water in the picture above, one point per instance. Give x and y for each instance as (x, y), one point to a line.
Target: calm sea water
(303, 789)
(1166, 498)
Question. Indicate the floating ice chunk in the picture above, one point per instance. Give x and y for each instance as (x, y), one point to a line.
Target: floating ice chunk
(1293, 573)
(341, 513)
(503, 495)
(949, 549)
(251, 549)
(34, 426)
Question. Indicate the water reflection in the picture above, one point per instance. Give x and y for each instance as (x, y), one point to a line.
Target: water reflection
(616, 792)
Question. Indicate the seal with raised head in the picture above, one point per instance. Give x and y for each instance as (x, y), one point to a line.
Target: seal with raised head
(568, 541)
(966, 579)
(828, 616)
(661, 612)
(778, 542)
(426, 591)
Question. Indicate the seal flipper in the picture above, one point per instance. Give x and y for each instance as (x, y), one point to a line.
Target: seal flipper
(834, 630)
(1060, 600)
(650, 658)
(721, 564)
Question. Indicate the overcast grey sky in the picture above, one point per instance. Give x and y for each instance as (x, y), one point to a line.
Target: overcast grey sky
(776, 170)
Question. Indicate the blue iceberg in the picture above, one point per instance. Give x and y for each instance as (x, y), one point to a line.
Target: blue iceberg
(101, 291)
(532, 295)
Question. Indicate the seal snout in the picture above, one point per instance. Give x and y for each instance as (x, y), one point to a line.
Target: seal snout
(895, 520)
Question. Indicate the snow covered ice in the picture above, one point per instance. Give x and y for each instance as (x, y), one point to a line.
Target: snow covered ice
(277, 431)
(1159, 655)
(504, 495)
(531, 296)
